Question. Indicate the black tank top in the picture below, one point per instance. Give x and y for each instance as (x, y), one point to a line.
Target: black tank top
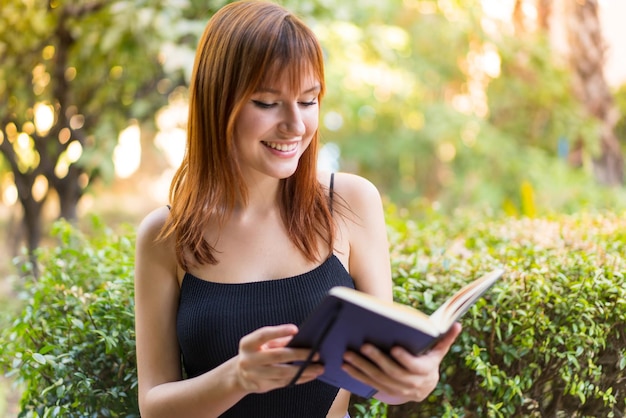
(212, 318)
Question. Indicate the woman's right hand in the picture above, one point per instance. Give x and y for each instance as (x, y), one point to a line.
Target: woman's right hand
(264, 360)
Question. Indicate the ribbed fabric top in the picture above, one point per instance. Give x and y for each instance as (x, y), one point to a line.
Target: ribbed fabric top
(212, 318)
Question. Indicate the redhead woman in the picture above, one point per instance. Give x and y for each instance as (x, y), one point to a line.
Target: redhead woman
(255, 236)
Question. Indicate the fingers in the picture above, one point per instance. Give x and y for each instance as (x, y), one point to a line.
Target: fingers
(368, 368)
(388, 376)
(400, 376)
(255, 340)
(268, 341)
(310, 373)
(436, 353)
(264, 360)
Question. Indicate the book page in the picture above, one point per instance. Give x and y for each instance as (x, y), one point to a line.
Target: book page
(396, 311)
(457, 305)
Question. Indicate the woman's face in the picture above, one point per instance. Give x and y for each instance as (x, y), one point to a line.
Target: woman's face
(276, 126)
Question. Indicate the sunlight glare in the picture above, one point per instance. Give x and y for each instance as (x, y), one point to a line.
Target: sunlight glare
(9, 197)
(490, 61)
(40, 188)
(333, 121)
(44, 118)
(329, 157)
(462, 103)
(28, 127)
(23, 141)
(62, 167)
(498, 9)
(127, 153)
(171, 138)
(160, 186)
(530, 11)
(74, 151)
(27, 156)
(395, 37)
(173, 115)
(172, 143)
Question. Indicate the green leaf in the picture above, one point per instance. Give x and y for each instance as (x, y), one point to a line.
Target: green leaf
(39, 358)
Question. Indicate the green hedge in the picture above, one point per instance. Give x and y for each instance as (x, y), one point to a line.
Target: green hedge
(72, 349)
(548, 340)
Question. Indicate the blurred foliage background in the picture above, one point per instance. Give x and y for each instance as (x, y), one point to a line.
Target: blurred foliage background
(497, 105)
(441, 103)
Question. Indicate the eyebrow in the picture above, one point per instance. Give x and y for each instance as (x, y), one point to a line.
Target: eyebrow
(262, 89)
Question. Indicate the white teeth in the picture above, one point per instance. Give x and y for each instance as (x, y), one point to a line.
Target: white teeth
(281, 147)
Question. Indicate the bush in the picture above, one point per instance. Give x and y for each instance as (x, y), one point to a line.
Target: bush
(548, 340)
(72, 348)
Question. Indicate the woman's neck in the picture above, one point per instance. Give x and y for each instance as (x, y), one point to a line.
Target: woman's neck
(262, 199)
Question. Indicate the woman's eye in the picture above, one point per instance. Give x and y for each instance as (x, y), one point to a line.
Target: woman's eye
(311, 103)
(263, 105)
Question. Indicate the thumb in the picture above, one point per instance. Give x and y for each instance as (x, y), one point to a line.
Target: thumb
(444, 344)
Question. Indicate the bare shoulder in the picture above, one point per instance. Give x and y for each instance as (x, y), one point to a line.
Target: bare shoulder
(148, 245)
(358, 192)
(366, 232)
(152, 224)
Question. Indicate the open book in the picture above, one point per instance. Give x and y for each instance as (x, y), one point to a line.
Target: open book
(347, 318)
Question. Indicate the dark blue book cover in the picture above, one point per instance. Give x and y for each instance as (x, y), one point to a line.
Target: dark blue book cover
(347, 318)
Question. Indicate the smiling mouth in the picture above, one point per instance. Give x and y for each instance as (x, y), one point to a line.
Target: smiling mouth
(281, 146)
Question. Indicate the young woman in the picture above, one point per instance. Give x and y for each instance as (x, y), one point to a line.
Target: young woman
(255, 237)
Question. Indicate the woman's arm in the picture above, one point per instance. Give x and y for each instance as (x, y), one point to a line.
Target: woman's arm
(260, 365)
(405, 377)
(162, 392)
(369, 263)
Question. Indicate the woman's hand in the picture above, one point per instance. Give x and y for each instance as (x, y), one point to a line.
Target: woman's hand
(263, 361)
(408, 378)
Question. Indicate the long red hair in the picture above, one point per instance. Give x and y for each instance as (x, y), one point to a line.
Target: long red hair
(243, 44)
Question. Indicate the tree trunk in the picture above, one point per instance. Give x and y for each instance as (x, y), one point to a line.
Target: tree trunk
(544, 12)
(33, 225)
(518, 17)
(24, 182)
(587, 59)
(32, 222)
(70, 192)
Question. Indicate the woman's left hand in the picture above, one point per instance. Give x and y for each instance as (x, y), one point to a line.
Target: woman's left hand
(404, 377)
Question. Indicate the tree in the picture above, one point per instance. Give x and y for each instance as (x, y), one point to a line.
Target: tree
(72, 74)
(587, 59)
(585, 53)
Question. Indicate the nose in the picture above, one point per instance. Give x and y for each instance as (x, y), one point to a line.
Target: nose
(292, 122)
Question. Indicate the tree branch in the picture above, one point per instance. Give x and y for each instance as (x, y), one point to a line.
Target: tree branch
(84, 9)
(6, 148)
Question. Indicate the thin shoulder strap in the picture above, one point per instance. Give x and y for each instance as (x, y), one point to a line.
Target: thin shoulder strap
(330, 191)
